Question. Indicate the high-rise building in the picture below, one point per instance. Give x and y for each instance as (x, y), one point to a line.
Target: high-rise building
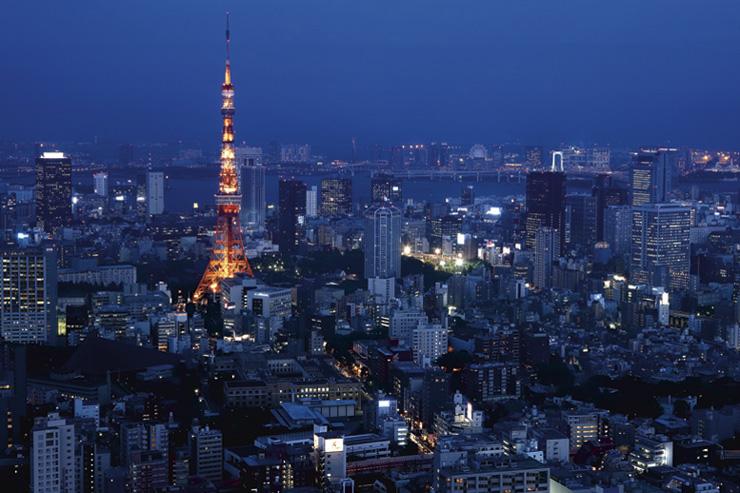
(53, 191)
(606, 195)
(546, 252)
(330, 457)
(445, 227)
(385, 188)
(291, 214)
(100, 180)
(428, 342)
(617, 229)
(228, 257)
(382, 243)
(336, 197)
(661, 250)
(253, 195)
(55, 456)
(580, 221)
(439, 154)
(206, 452)
(467, 196)
(545, 196)
(650, 177)
(28, 295)
(312, 201)
(155, 192)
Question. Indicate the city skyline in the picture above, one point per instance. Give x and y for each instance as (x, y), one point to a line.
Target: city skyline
(489, 73)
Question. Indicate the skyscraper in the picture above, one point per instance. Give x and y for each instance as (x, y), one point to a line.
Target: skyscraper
(336, 197)
(312, 201)
(467, 196)
(291, 214)
(383, 243)
(101, 183)
(253, 190)
(545, 196)
(650, 177)
(155, 192)
(606, 195)
(227, 257)
(385, 188)
(661, 246)
(53, 191)
(28, 295)
(546, 251)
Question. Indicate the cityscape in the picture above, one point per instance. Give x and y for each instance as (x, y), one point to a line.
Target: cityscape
(368, 314)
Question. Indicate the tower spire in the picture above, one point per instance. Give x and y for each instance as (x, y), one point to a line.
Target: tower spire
(227, 256)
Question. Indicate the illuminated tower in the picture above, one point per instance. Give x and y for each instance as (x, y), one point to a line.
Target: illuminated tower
(227, 256)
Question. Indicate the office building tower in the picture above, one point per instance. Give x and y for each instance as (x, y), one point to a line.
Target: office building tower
(546, 252)
(492, 381)
(312, 201)
(606, 194)
(292, 153)
(467, 197)
(580, 221)
(385, 188)
(545, 201)
(55, 456)
(439, 155)
(291, 214)
(253, 196)
(206, 453)
(336, 197)
(228, 257)
(661, 250)
(53, 191)
(650, 177)
(382, 243)
(155, 192)
(100, 181)
(444, 229)
(533, 157)
(428, 342)
(617, 229)
(28, 295)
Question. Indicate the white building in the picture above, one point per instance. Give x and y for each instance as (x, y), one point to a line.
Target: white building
(404, 322)
(651, 451)
(312, 201)
(546, 251)
(429, 342)
(330, 456)
(56, 462)
(155, 192)
(271, 303)
(206, 452)
(100, 180)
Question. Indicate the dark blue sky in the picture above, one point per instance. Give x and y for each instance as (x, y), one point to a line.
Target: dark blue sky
(320, 71)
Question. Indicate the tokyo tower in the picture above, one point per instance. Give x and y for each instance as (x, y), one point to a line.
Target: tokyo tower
(227, 256)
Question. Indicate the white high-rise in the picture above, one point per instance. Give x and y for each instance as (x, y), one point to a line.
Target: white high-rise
(155, 192)
(382, 243)
(56, 462)
(252, 184)
(206, 452)
(429, 342)
(312, 201)
(101, 183)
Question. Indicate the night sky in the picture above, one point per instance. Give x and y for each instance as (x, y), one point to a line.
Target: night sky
(626, 72)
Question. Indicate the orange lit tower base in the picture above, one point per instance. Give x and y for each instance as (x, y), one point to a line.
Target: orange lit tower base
(227, 257)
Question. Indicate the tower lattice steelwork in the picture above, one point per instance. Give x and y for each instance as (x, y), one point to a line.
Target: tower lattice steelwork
(227, 256)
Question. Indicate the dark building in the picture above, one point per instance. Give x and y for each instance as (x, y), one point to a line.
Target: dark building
(435, 395)
(467, 196)
(53, 191)
(446, 226)
(125, 154)
(489, 382)
(386, 188)
(580, 221)
(545, 204)
(439, 154)
(291, 214)
(606, 194)
(336, 197)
